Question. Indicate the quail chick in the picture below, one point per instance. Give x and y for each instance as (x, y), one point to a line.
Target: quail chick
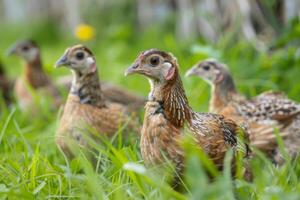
(33, 77)
(112, 93)
(167, 112)
(261, 113)
(86, 105)
(6, 86)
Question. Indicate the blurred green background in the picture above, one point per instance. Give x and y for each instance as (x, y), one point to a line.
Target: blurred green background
(258, 40)
(191, 30)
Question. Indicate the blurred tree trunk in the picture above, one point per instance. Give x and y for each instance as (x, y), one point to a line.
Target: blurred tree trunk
(68, 11)
(291, 10)
(207, 19)
(36, 8)
(14, 10)
(185, 25)
(254, 20)
(144, 13)
(244, 9)
(72, 13)
(149, 12)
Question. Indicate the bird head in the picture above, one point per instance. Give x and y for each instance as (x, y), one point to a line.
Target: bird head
(210, 70)
(155, 64)
(78, 58)
(27, 49)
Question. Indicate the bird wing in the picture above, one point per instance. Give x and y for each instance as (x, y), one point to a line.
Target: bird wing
(261, 133)
(123, 117)
(215, 134)
(263, 137)
(119, 95)
(269, 106)
(205, 124)
(105, 121)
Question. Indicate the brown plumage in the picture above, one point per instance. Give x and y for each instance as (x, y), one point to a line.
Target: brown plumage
(168, 111)
(86, 106)
(120, 95)
(6, 86)
(33, 77)
(112, 93)
(261, 113)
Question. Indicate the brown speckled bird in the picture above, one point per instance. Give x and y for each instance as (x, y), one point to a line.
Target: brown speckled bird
(112, 93)
(33, 77)
(6, 86)
(86, 106)
(261, 113)
(168, 111)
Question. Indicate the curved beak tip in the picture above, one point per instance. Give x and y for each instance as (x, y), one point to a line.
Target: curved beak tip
(191, 72)
(57, 65)
(61, 62)
(188, 73)
(131, 70)
(11, 51)
(127, 72)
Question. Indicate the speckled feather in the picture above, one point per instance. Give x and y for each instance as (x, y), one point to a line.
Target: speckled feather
(270, 105)
(166, 114)
(260, 115)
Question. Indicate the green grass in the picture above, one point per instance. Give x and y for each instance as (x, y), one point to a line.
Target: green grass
(31, 166)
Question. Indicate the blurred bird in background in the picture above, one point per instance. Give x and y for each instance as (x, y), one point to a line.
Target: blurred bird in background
(261, 114)
(33, 78)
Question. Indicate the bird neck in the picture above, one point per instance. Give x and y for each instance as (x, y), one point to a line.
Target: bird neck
(172, 99)
(222, 93)
(34, 74)
(87, 88)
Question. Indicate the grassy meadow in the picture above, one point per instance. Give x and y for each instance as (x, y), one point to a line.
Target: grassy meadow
(32, 167)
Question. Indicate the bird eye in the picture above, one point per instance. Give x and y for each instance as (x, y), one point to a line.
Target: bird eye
(25, 48)
(154, 60)
(206, 67)
(79, 55)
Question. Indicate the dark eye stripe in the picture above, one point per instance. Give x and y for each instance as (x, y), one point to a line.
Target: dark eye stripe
(79, 55)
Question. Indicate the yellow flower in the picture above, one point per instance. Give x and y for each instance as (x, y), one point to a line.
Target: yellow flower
(84, 32)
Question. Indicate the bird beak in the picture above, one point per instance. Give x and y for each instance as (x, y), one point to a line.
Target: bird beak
(62, 61)
(11, 51)
(191, 72)
(132, 69)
